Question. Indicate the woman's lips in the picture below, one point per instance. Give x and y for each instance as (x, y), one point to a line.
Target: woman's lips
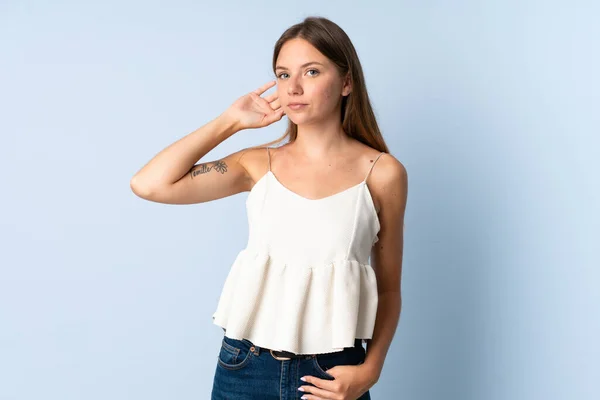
(296, 106)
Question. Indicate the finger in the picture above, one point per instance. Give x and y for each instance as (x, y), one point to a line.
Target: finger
(313, 392)
(272, 97)
(320, 383)
(265, 87)
(276, 104)
(261, 102)
(264, 106)
(274, 116)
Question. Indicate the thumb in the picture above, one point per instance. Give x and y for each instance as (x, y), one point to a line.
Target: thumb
(276, 115)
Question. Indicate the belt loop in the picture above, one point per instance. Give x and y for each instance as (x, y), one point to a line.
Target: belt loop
(254, 348)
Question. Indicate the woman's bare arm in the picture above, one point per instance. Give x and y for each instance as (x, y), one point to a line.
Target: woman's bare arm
(168, 178)
(171, 176)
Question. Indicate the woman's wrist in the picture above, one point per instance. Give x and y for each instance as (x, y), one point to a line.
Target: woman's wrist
(372, 372)
(228, 126)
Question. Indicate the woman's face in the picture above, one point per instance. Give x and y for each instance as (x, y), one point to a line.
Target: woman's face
(317, 85)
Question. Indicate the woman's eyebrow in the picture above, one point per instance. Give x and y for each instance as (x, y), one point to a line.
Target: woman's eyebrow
(302, 66)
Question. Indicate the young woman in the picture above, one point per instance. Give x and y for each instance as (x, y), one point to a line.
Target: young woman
(302, 297)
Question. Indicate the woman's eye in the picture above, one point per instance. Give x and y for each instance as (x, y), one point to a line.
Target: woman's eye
(283, 73)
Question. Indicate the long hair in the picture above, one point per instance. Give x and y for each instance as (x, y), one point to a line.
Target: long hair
(357, 117)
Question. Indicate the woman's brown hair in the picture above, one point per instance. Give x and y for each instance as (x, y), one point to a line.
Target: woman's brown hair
(358, 119)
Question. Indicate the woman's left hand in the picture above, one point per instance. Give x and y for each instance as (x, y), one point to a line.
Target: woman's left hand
(351, 382)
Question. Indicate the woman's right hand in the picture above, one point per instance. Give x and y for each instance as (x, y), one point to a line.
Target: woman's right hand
(252, 111)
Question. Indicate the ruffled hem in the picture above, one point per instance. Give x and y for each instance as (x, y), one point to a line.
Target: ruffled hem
(304, 310)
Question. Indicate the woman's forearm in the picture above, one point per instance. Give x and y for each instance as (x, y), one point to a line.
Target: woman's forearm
(388, 314)
(173, 162)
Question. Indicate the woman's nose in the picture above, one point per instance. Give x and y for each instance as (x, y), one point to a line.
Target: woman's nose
(294, 87)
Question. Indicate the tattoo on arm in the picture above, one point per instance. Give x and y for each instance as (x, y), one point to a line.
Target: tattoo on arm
(219, 166)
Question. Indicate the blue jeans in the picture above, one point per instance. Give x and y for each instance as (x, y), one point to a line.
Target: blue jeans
(248, 372)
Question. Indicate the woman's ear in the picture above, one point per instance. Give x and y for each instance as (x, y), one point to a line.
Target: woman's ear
(347, 87)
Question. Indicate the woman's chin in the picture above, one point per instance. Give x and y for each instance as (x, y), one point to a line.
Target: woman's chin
(297, 119)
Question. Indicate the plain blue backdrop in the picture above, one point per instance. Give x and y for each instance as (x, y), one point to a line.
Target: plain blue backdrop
(492, 106)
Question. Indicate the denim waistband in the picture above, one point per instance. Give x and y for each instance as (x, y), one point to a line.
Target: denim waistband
(357, 343)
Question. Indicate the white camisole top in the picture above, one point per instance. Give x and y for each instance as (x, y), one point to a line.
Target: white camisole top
(303, 283)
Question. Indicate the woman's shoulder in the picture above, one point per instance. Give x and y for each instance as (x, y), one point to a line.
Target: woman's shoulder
(386, 162)
(387, 176)
(255, 160)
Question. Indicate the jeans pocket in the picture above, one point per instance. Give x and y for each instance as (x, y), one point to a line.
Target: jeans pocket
(234, 354)
(348, 356)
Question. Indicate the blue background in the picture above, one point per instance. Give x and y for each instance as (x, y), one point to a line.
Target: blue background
(493, 107)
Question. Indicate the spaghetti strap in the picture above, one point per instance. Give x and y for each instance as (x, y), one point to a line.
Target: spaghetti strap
(372, 165)
(269, 157)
